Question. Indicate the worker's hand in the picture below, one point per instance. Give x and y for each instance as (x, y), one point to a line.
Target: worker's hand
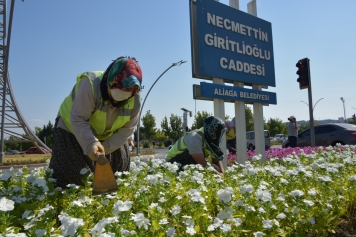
(97, 147)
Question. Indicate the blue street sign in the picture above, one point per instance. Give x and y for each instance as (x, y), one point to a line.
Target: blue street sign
(231, 45)
(217, 91)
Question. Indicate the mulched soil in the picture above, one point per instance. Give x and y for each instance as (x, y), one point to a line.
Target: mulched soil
(346, 228)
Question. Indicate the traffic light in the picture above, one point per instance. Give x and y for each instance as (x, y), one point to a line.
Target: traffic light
(303, 73)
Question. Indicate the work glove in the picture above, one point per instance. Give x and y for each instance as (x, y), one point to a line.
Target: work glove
(97, 147)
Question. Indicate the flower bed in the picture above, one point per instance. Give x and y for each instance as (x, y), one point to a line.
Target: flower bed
(305, 191)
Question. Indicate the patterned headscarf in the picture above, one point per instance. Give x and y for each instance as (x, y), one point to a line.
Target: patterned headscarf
(124, 72)
(214, 129)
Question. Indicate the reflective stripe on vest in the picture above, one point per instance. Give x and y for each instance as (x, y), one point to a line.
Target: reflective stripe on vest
(97, 120)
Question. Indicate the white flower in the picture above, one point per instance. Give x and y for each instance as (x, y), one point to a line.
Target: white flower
(295, 210)
(225, 194)
(84, 171)
(121, 206)
(226, 214)
(258, 234)
(311, 220)
(163, 221)
(308, 202)
(352, 178)
(175, 210)
(40, 232)
(195, 196)
(250, 208)
(281, 216)
(25, 215)
(69, 224)
(325, 178)
(99, 228)
(171, 232)
(6, 176)
(239, 203)
(140, 220)
(267, 224)
(248, 188)
(296, 193)
(6, 204)
(263, 195)
(197, 177)
(312, 192)
(225, 228)
(261, 210)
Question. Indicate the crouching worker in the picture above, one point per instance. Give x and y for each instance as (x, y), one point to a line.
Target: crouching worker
(201, 146)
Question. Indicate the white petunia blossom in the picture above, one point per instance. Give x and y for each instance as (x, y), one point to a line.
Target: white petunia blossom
(40, 232)
(175, 210)
(267, 224)
(263, 195)
(248, 188)
(171, 232)
(312, 220)
(258, 234)
(325, 178)
(225, 194)
(281, 216)
(69, 224)
(296, 193)
(140, 220)
(121, 206)
(6, 204)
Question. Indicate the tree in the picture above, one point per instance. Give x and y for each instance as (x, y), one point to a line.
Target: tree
(45, 134)
(176, 127)
(276, 126)
(249, 119)
(199, 119)
(160, 137)
(149, 123)
(165, 126)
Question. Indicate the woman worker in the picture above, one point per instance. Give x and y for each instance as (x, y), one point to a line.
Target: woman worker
(99, 115)
(201, 146)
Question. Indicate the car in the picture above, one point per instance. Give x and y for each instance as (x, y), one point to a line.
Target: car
(250, 140)
(35, 150)
(327, 135)
(12, 152)
(170, 146)
(279, 137)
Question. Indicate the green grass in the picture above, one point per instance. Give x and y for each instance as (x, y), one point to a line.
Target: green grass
(26, 159)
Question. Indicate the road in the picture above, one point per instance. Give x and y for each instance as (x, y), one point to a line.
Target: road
(160, 154)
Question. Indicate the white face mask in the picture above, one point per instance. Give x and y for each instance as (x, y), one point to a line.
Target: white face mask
(120, 95)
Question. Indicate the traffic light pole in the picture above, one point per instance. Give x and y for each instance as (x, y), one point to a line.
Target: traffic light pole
(311, 111)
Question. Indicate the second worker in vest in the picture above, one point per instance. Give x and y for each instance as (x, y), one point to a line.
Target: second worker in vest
(99, 115)
(201, 146)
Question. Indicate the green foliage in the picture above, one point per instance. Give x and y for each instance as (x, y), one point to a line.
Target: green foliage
(176, 126)
(149, 123)
(165, 127)
(146, 145)
(249, 119)
(199, 119)
(276, 126)
(45, 134)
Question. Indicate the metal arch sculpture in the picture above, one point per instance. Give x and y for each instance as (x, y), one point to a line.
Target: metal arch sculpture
(12, 121)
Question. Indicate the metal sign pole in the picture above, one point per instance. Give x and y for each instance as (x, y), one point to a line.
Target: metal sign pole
(311, 111)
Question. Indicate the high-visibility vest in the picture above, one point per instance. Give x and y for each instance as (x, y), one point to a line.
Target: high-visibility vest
(230, 134)
(97, 120)
(179, 147)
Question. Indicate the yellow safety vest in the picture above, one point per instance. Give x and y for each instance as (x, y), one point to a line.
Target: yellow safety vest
(179, 147)
(97, 120)
(230, 134)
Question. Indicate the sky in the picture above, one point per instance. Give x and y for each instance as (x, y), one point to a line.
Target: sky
(54, 41)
